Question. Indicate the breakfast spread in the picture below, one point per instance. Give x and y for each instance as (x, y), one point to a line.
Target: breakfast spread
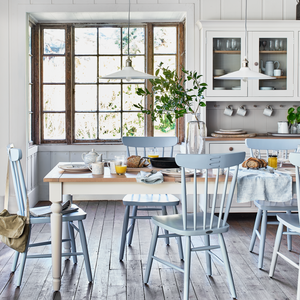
(136, 161)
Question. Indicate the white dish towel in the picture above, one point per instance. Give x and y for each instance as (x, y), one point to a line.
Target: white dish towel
(146, 177)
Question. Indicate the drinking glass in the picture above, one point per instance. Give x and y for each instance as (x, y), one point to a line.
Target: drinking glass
(218, 44)
(271, 45)
(233, 44)
(281, 45)
(153, 153)
(264, 44)
(276, 45)
(228, 45)
(280, 158)
(120, 164)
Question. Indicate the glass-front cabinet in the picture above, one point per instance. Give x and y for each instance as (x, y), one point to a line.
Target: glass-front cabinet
(270, 53)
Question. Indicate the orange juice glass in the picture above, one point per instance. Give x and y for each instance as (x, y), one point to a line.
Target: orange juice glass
(121, 169)
(272, 161)
(120, 164)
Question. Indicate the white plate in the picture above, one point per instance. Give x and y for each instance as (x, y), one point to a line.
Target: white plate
(285, 134)
(231, 130)
(219, 88)
(177, 172)
(74, 167)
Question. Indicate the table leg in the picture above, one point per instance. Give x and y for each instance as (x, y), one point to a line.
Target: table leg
(55, 192)
(65, 229)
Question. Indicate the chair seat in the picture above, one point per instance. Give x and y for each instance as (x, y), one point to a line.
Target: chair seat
(74, 216)
(277, 206)
(291, 221)
(150, 200)
(174, 224)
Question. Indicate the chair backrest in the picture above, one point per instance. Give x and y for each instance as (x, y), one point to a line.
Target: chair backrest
(271, 145)
(147, 143)
(295, 160)
(15, 156)
(205, 162)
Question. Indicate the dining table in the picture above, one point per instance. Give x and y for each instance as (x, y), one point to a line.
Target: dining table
(62, 182)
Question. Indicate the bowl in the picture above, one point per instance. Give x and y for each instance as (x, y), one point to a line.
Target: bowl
(267, 88)
(219, 72)
(164, 162)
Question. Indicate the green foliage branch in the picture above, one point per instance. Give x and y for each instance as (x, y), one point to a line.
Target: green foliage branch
(293, 116)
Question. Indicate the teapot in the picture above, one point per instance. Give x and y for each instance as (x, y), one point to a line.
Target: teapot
(269, 67)
(91, 157)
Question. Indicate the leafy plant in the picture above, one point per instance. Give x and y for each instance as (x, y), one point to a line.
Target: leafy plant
(171, 96)
(293, 115)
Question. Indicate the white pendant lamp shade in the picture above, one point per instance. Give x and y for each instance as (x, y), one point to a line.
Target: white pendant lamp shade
(244, 73)
(128, 73)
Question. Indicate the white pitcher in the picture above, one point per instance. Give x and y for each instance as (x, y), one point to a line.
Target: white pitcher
(269, 67)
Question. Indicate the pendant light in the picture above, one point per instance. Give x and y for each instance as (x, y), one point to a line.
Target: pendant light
(244, 72)
(128, 72)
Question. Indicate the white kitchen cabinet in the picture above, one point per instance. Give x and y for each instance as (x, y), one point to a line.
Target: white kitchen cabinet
(223, 49)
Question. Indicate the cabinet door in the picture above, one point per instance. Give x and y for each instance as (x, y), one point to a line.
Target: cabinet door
(272, 54)
(224, 53)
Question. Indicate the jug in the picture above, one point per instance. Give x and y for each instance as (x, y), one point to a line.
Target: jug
(269, 67)
(283, 127)
(91, 157)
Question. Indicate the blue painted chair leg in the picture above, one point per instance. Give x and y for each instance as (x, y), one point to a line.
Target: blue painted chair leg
(124, 232)
(187, 268)
(256, 225)
(85, 251)
(263, 232)
(178, 239)
(227, 265)
(289, 236)
(130, 233)
(164, 213)
(207, 256)
(14, 265)
(151, 253)
(73, 244)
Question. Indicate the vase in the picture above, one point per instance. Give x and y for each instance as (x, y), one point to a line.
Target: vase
(294, 128)
(195, 141)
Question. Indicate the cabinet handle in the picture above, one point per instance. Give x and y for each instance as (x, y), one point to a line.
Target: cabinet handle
(256, 63)
(230, 148)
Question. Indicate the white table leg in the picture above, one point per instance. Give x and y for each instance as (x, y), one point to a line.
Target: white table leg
(55, 191)
(65, 229)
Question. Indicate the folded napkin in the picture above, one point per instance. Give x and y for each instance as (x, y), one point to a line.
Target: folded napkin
(263, 185)
(146, 177)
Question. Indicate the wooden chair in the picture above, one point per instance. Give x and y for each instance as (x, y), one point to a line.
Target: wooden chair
(15, 156)
(267, 208)
(200, 223)
(292, 222)
(147, 202)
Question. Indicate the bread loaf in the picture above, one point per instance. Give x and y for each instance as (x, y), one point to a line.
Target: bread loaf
(254, 163)
(136, 161)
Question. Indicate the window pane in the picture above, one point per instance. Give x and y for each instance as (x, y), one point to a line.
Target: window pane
(136, 42)
(133, 124)
(108, 65)
(85, 40)
(85, 97)
(85, 126)
(130, 97)
(164, 128)
(29, 66)
(29, 98)
(86, 69)
(54, 69)
(30, 127)
(54, 97)
(54, 126)
(165, 40)
(54, 41)
(29, 40)
(110, 97)
(168, 60)
(110, 126)
(109, 40)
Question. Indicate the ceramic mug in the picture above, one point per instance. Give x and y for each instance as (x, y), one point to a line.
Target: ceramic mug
(228, 111)
(97, 168)
(283, 127)
(277, 72)
(241, 111)
(268, 111)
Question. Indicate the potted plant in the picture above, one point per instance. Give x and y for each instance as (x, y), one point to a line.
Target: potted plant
(293, 118)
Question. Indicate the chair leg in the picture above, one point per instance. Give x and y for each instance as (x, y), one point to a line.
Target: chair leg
(187, 268)
(263, 232)
(207, 256)
(14, 265)
(227, 266)
(255, 228)
(298, 286)
(289, 236)
(73, 244)
(164, 213)
(276, 249)
(124, 232)
(178, 239)
(85, 251)
(151, 254)
(130, 235)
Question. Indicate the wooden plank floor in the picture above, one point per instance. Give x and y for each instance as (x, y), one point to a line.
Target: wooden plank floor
(124, 280)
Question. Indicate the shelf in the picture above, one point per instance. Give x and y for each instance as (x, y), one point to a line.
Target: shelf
(227, 52)
(273, 52)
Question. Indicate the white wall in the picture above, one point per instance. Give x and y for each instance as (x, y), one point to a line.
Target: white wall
(13, 31)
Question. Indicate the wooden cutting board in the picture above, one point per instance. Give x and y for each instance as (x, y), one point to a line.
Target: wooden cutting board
(233, 135)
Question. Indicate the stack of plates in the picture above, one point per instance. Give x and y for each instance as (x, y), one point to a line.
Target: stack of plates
(230, 131)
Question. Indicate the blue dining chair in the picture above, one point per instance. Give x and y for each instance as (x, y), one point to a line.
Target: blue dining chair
(268, 208)
(290, 221)
(204, 223)
(15, 156)
(147, 202)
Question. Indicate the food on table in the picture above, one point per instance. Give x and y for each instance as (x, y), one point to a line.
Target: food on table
(254, 163)
(136, 161)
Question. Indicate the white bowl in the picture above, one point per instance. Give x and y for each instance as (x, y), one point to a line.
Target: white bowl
(268, 88)
(219, 72)
(236, 88)
(219, 88)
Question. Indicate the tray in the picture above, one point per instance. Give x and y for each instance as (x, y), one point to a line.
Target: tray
(74, 168)
(285, 134)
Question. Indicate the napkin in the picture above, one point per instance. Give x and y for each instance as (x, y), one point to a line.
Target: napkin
(146, 177)
(263, 185)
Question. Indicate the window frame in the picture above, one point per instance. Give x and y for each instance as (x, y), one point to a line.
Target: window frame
(70, 80)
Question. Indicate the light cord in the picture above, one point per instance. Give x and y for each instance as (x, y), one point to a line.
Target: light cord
(128, 26)
(246, 46)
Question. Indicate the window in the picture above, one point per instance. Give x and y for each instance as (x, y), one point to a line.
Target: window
(30, 82)
(76, 105)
